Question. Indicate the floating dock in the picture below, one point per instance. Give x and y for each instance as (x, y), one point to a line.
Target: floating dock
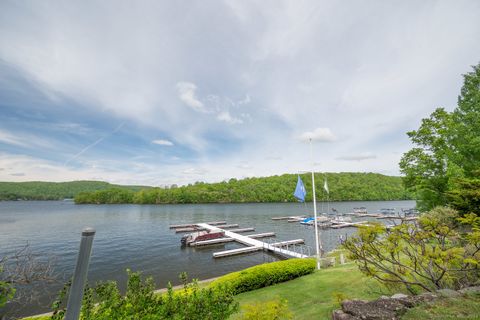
(297, 218)
(195, 227)
(225, 240)
(389, 217)
(242, 230)
(191, 225)
(349, 224)
(252, 244)
(371, 215)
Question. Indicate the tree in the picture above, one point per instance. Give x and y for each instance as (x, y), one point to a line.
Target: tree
(426, 167)
(430, 255)
(465, 196)
(446, 148)
(23, 269)
(466, 119)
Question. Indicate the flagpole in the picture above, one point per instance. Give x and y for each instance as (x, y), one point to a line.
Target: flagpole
(315, 209)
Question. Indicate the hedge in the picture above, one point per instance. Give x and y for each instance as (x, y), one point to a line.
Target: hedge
(264, 275)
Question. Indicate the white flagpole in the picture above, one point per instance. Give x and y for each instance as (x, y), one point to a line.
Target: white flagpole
(315, 209)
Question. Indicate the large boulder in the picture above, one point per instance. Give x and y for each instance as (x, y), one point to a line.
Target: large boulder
(340, 315)
(382, 309)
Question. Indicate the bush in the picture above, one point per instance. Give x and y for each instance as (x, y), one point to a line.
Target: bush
(269, 310)
(104, 302)
(265, 275)
(425, 256)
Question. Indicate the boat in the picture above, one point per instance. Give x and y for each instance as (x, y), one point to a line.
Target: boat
(339, 219)
(201, 236)
(360, 210)
(309, 221)
(296, 218)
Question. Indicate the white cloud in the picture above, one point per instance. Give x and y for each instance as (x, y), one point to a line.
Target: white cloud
(225, 116)
(214, 104)
(163, 142)
(291, 66)
(319, 135)
(273, 157)
(247, 100)
(24, 140)
(195, 171)
(358, 157)
(244, 166)
(187, 93)
(8, 138)
(91, 145)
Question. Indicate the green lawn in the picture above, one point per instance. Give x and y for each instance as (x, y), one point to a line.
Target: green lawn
(466, 307)
(315, 296)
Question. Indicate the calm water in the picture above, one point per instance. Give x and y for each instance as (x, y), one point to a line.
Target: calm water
(139, 238)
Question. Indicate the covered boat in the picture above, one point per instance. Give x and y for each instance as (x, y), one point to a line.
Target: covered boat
(201, 236)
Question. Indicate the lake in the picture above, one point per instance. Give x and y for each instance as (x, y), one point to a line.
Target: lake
(138, 237)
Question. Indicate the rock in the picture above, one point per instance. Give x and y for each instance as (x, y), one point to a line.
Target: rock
(383, 309)
(384, 297)
(399, 296)
(448, 293)
(425, 297)
(408, 302)
(340, 315)
(470, 290)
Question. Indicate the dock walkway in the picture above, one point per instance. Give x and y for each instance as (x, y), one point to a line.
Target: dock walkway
(253, 244)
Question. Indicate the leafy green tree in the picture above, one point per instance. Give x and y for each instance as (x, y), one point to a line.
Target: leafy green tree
(466, 119)
(426, 167)
(343, 186)
(465, 196)
(446, 148)
(39, 190)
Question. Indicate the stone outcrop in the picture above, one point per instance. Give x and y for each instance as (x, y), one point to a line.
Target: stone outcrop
(391, 308)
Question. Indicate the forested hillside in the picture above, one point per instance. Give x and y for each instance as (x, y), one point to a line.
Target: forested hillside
(342, 186)
(38, 190)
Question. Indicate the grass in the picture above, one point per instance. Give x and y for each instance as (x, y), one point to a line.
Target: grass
(315, 296)
(465, 307)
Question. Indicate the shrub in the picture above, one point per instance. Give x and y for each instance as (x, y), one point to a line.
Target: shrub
(269, 310)
(424, 256)
(265, 275)
(104, 302)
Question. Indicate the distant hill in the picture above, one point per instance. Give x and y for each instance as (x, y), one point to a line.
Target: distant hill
(342, 186)
(38, 190)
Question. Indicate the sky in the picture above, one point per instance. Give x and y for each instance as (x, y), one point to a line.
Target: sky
(174, 92)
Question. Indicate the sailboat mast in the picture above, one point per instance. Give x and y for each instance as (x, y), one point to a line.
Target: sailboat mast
(315, 222)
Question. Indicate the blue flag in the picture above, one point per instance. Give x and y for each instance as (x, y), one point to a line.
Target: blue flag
(300, 191)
